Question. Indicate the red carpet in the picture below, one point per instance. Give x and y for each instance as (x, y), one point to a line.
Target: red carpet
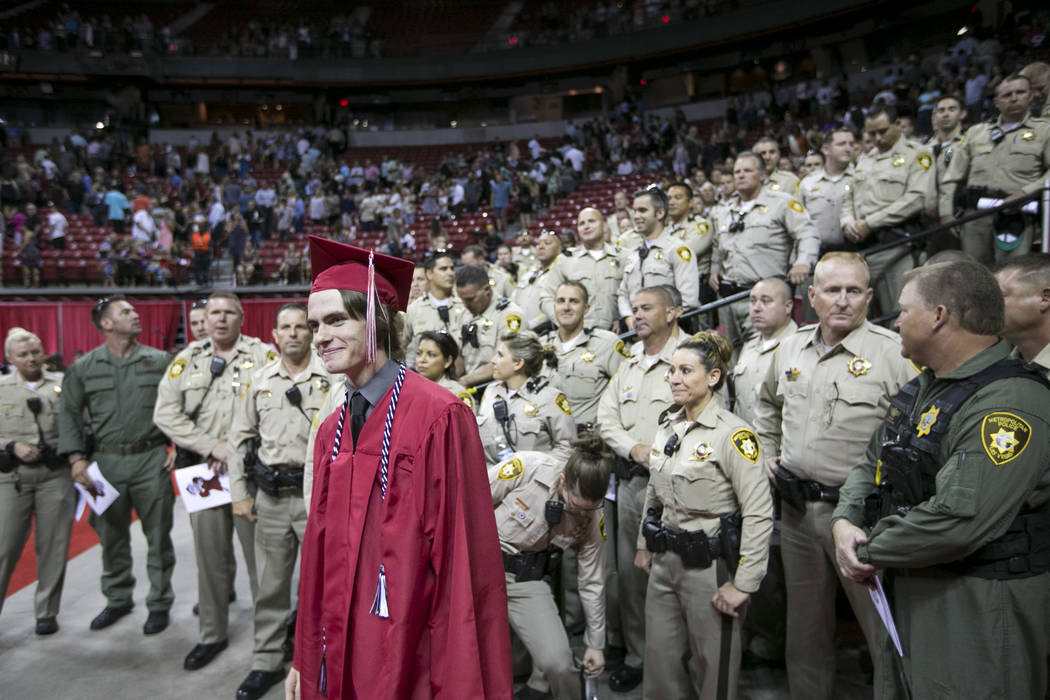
(84, 538)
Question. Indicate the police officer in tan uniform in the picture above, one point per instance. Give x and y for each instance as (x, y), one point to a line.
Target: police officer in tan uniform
(1038, 75)
(437, 309)
(194, 408)
(828, 388)
(627, 419)
(522, 253)
(621, 203)
(35, 484)
(659, 259)
(595, 264)
(1025, 283)
(770, 303)
(696, 232)
(533, 284)
(885, 196)
(776, 180)
(823, 191)
(521, 409)
(499, 279)
(267, 439)
(486, 317)
(948, 113)
(587, 357)
(545, 506)
(760, 233)
(705, 538)
(1004, 159)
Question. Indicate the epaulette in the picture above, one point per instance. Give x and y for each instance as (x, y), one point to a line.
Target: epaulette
(667, 412)
(536, 384)
(502, 304)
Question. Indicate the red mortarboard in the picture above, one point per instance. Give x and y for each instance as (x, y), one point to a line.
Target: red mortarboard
(340, 266)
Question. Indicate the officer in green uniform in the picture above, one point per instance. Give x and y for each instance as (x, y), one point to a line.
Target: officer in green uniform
(34, 479)
(194, 407)
(956, 484)
(275, 414)
(110, 392)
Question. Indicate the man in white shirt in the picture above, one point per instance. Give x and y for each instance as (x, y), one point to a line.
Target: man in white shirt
(57, 224)
(143, 228)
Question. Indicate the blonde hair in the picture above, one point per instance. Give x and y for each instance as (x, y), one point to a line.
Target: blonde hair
(845, 257)
(18, 335)
(714, 350)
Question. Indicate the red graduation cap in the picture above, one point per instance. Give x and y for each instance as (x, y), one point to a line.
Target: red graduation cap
(383, 277)
(339, 266)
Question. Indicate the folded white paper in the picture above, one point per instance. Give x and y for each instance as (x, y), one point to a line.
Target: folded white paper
(99, 496)
(201, 488)
(882, 604)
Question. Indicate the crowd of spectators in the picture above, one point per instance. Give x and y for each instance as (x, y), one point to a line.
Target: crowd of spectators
(248, 188)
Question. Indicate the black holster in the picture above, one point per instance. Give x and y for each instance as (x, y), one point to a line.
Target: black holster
(1022, 551)
(276, 482)
(788, 488)
(626, 469)
(653, 531)
(732, 526)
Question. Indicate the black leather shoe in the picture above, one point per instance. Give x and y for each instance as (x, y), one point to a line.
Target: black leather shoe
(109, 615)
(626, 678)
(530, 693)
(157, 621)
(46, 625)
(258, 682)
(202, 654)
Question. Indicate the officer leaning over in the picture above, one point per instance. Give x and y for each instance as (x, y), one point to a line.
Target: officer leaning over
(267, 439)
(194, 408)
(34, 480)
(955, 489)
(107, 397)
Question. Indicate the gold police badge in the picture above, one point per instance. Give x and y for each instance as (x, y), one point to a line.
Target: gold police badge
(899, 161)
(587, 356)
(746, 444)
(703, 451)
(1004, 436)
(530, 409)
(926, 421)
(1028, 135)
(858, 366)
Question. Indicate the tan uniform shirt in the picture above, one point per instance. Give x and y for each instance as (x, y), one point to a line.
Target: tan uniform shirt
(696, 233)
(817, 410)
(529, 293)
(17, 423)
(459, 390)
(782, 181)
(778, 234)
(184, 385)
(628, 241)
(941, 161)
(501, 316)
(521, 487)
(264, 412)
(822, 196)
(630, 407)
(1020, 162)
(751, 368)
(542, 420)
(887, 189)
(501, 282)
(585, 365)
(524, 258)
(600, 273)
(716, 470)
(423, 315)
(670, 261)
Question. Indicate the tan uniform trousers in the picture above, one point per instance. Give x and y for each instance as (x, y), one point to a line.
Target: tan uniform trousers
(279, 527)
(631, 581)
(535, 620)
(977, 239)
(808, 551)
(48, 497)
(213, 544)
(680, 618)
(888, 268)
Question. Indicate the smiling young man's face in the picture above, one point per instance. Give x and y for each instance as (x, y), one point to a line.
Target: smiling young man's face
(339, 339)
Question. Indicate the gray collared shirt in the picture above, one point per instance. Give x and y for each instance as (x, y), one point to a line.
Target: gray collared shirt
(377, 386)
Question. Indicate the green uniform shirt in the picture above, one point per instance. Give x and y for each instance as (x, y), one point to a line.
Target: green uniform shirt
(118, 393)
(995, 455)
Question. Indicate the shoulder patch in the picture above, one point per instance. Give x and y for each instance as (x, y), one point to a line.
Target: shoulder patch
(508, 471)
(466, 398)
(601, 526)
(177, 367)
(271, 355)
(622, 349)
(513, 322)
(795, 205)
(1004, 436)
(924, 160)
(562, 402)
(703, 227)
(684, 253)
(746, 444)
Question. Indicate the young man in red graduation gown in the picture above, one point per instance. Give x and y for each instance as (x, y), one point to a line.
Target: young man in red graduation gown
(402, 592)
